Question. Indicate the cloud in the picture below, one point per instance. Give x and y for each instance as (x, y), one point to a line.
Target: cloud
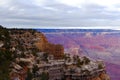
(75, 3)
(59, 13)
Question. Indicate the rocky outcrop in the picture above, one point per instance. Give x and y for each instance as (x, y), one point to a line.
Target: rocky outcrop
(19, 46)
(55, 49)
(102, 76)
(33, 41)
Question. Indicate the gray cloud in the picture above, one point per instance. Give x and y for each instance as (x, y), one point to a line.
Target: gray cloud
(24, 13)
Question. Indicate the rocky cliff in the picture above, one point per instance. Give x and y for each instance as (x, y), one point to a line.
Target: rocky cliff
(31, 41)
(18, 48)
(102, 76)
(5, 54)
(43, 45)
(23, 44)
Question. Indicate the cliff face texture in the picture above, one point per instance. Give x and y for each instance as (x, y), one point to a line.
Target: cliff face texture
(17, 44)
(33, 41)
(5, 56)
(102, 76)
(43, 45)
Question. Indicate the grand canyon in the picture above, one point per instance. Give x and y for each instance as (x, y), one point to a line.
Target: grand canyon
(103, 44)
(27, 54)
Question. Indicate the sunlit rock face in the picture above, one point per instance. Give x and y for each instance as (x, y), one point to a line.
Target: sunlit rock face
(55, 49)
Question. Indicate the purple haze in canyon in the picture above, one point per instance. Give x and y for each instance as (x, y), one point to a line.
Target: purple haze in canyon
(96, 44)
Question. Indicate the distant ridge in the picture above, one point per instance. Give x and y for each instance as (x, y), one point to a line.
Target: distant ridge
(78, 27)
(76, 30)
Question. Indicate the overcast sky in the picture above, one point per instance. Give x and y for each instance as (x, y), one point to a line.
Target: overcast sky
(60, 13)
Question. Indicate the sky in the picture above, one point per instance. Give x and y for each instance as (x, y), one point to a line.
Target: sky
(60, 13)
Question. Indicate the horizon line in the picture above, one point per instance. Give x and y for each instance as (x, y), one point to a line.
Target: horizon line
(95, 27)
(84, 27)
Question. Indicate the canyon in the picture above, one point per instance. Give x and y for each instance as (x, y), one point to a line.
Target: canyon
(28, 54)
(96, 44)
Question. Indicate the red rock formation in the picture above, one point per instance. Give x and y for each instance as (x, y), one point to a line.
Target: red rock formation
(96, 78)
(43, 45)
(104, 76)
